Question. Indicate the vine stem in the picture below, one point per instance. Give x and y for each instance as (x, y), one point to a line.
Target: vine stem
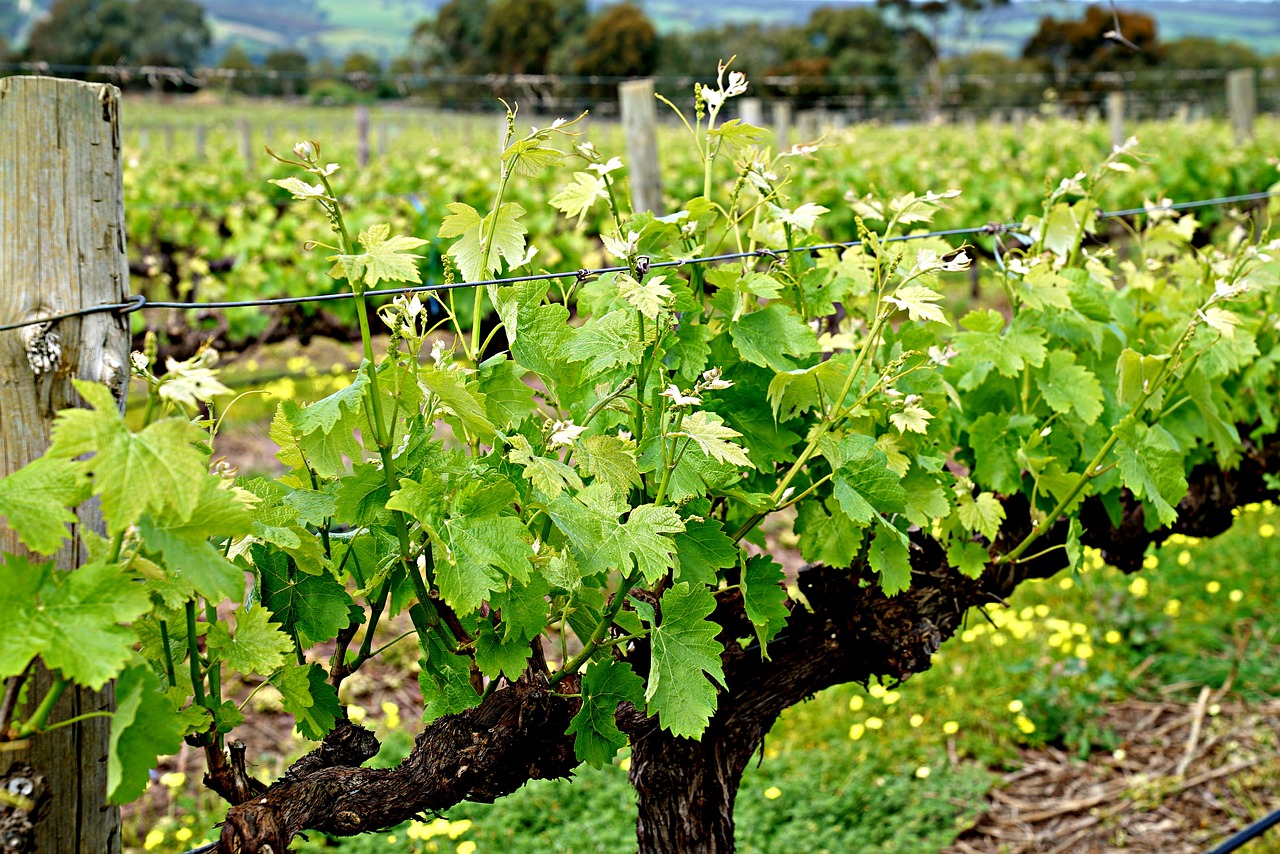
(601, 631)
(824, 427)
(1094, 468)
(37, 720)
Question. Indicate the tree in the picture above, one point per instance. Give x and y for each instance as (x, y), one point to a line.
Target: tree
(1077, 52)
(290, 68)
(170, 33)
(621, 42)
(452, 41)
(237, 61)
(520, 36)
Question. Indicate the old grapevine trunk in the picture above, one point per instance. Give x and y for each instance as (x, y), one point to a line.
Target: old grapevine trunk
(850, 632)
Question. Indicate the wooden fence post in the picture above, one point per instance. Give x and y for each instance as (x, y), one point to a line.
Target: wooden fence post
(751, 111)
(246, 141)
(1242, 102)
(1115, 118)
(362, 135)
(640, 125)
(781, 116)
(61, 248)
(200, 131)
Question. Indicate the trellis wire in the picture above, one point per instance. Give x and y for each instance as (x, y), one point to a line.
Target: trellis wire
(139, 301)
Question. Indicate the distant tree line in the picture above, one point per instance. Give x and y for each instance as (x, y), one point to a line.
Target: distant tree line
(885, 52)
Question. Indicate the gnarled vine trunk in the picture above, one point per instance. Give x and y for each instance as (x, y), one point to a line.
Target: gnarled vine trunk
(846, 631)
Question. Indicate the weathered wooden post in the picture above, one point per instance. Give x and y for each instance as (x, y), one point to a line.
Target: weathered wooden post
(200, 131)
(751, 111)
(1242, 102)
(362, 135)
(781, 115)
(62, 248)
(246, 141)
(640, 125)
(1115, 118)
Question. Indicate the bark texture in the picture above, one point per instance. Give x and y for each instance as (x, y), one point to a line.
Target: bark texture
(850, 632)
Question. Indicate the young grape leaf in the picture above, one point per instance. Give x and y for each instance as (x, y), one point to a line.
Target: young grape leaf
(982, 514)
(385, 259)
(549, 476)
(258, 646)
(889, 557)
(1151, 465)
(764, 598)
(134, 473)
(918, 302)
(968, 557)
(648, 298)
(865, 487)
(445, 680)
(185, 544)
(603, 342)
(685, 658)
(505, 233)
(70, 619)
(35, 501)
(507, 398)
(702, 549)
(315, 607)
(826, 537)
(1069, 388)
(311, 700)
(496, 656)
(708, 430)
(479, 546)
(576, 198)
(462, 401)
(605, 684)
(610, 460)
(601, 543)
(143, 726)
(773, 337)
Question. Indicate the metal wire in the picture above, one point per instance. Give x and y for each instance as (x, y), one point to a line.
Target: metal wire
(1254, 830)
(138, 301)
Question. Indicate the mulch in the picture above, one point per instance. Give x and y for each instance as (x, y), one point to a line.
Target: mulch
(1186, 777)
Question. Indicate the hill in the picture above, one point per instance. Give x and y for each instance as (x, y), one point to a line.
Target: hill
(382, 27)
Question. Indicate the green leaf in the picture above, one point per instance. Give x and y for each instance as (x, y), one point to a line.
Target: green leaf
(982, 515)
(708, 430)
(35, 501)
(575, 199)
(1151, 465)
(507, 398)
(496, 656)
(649, 298)
(702, 549)
(612, 545)
(134, 473)
(605, 684)
(311, 700)
(611, 460)
(1136, 374)
(143, 726)
(764, 596)
(315, 607)
(1069, 388)
(865, 488)
(889, 557)
(385, 259)
(336, 409)
(1008, 352)
(918, 302)
(826, 537)
(772, 336)
(507, 241)
(185, 545)
(445, 680)
(528, 157)
(524, 608)
(996, 438)
(70, 619)
(549, 476)
(466, 404)
(685, 658)
(968, 557)
(607, 341)
(258, 646)
(479, 546)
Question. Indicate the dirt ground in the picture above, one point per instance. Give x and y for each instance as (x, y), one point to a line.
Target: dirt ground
(1187, 776)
